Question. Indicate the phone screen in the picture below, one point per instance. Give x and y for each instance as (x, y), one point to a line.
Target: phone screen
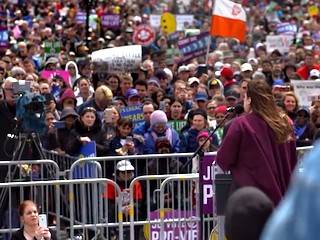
(43, 220)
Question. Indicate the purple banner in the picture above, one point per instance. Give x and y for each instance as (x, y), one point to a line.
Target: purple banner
(194, 46)
(81, 18)
(206, 176)
(173, 230)
(111, 21)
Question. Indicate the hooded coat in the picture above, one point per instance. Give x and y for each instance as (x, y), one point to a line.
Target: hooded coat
(95, 133)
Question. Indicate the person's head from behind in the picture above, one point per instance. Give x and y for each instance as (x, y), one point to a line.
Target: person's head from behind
(259, 99)
(29, 215)
(103, 96)
(247, 211)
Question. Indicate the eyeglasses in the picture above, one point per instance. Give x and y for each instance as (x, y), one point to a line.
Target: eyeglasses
(211, 108)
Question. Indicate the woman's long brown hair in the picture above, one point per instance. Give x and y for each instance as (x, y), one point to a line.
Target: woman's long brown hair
(262, 103)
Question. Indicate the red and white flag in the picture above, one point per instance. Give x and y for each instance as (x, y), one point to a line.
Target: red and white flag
(228, 20)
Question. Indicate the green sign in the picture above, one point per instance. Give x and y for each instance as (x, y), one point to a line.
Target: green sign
(177, 124)
(52, 48)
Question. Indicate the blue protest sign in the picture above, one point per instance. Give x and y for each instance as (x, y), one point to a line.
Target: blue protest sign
(194, 46)
(133, 113)
(4, 39)
(81, 17)
(286, 28)
(86, 169)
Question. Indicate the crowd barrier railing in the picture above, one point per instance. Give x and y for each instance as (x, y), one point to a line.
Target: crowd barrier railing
(184, 218)
(94, 229)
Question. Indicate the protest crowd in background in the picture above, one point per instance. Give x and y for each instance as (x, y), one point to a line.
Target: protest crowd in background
(170, 95)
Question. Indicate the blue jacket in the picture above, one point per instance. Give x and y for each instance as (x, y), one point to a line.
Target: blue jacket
(298, 215)
(141, 128)
(150, 142)
(189, 141)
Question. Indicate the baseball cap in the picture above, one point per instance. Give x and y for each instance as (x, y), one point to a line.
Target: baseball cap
(52, 60)
(132, 92)
(214, 83)
(193, 80)
(227, 73)
(201, 96)
(125, 165)
(183, 68)
(246, 67)
(315, 73)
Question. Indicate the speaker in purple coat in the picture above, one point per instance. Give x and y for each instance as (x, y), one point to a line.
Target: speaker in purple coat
(259, 148)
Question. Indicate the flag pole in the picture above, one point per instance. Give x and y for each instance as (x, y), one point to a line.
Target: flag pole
(209, 42)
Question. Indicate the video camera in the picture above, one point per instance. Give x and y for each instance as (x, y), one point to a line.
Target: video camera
(30, 107)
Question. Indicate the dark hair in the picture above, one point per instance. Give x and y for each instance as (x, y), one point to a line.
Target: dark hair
(141, 83)
(125, 122)
(88, 109)
(23, 206)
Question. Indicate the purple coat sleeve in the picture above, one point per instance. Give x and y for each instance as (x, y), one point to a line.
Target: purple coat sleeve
(229, 149)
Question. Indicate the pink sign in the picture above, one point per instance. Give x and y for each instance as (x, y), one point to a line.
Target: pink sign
(49, 74)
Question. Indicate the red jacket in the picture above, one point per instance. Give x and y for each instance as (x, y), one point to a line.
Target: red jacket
(303, 72)
(250, 151)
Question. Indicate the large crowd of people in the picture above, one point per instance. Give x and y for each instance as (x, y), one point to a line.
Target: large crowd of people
(181, 101)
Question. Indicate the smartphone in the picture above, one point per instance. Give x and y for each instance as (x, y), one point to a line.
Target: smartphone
(43, 220)
(59, 124)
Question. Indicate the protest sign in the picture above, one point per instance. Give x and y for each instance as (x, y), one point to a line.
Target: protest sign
(182, 21)
(134, 113)
(81, 18)
(206, 175)
(143, 35)
(173, 230)
(286, 29)
(194, 46)
(313, 10)
(52, 48)
(306, 91)
(4, 38)
(118, 59)
(86, 169)
(177, 124)
(111, 21)
(279, 42)
(49, 74)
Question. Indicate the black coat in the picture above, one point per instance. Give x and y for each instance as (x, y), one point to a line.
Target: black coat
(7, 124)
(18, 235)
(95, 133)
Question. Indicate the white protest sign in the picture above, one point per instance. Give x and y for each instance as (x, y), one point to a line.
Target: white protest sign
(181, 21)
(279, 42)
(118, 59)
(306, 91)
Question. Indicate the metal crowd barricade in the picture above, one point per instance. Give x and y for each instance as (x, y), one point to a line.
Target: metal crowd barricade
(88, 230)
(26, 170)
(64, 161)
(183, 216)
